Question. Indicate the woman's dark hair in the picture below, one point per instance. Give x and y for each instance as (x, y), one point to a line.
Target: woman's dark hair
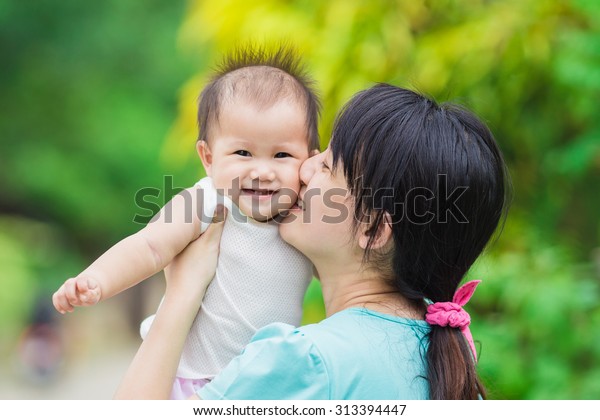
(437, 172)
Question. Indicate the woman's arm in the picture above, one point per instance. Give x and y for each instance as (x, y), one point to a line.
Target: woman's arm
(152, 372)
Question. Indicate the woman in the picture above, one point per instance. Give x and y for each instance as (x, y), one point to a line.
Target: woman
(392, 215)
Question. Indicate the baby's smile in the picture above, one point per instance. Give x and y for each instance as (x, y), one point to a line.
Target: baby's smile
(258, 193)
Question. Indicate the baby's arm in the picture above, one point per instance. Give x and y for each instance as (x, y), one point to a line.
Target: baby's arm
(136, 257)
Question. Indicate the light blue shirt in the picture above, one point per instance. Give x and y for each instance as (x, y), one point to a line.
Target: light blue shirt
(355, 354)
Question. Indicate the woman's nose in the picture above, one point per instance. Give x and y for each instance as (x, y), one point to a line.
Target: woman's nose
(308, 168)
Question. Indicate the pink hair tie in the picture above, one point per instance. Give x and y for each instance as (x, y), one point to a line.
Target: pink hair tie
(452, 313)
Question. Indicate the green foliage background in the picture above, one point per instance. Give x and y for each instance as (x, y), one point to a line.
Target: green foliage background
(98, 101)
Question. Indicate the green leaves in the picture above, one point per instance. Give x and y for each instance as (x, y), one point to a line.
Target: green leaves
(535, 314)
(88, 96)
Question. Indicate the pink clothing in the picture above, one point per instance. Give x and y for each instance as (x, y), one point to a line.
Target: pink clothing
(184, 388)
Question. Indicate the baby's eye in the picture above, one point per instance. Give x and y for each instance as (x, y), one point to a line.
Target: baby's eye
(244, 153)
(325, 166)
(282, 155)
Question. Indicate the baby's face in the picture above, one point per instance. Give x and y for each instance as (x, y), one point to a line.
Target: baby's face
(255, 154)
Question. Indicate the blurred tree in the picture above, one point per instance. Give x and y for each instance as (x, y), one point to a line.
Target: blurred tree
(89, 91)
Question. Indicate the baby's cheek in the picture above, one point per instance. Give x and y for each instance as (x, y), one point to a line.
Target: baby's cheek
(292, 179)
(296, 171)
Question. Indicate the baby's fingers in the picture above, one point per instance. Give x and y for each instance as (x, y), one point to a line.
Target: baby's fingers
(88, 291)
(60, 301)
(71, 292)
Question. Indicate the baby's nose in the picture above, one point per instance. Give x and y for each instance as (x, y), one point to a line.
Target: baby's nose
(263, 173)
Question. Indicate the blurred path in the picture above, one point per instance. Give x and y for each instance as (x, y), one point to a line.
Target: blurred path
(95, 379)
(99, 345)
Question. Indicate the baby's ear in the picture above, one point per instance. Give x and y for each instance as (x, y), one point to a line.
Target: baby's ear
(314, 152)
(205, 155)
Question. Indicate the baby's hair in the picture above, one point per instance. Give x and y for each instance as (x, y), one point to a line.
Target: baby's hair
(263, 76)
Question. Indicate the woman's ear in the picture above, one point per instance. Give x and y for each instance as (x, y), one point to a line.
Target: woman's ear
(205, 155)
(382, 237)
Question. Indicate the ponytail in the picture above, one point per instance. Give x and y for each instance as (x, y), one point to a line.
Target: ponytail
(451, 368)
(451, 363)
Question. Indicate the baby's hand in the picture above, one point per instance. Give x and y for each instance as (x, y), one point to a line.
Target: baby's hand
(77, 291)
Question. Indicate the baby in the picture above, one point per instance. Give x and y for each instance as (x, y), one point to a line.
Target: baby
(258, 123)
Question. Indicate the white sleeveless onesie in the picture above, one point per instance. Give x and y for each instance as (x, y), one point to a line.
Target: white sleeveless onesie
(260, 279)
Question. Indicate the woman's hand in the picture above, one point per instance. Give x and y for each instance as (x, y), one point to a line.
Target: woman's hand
(152, 372)
(189, 273)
